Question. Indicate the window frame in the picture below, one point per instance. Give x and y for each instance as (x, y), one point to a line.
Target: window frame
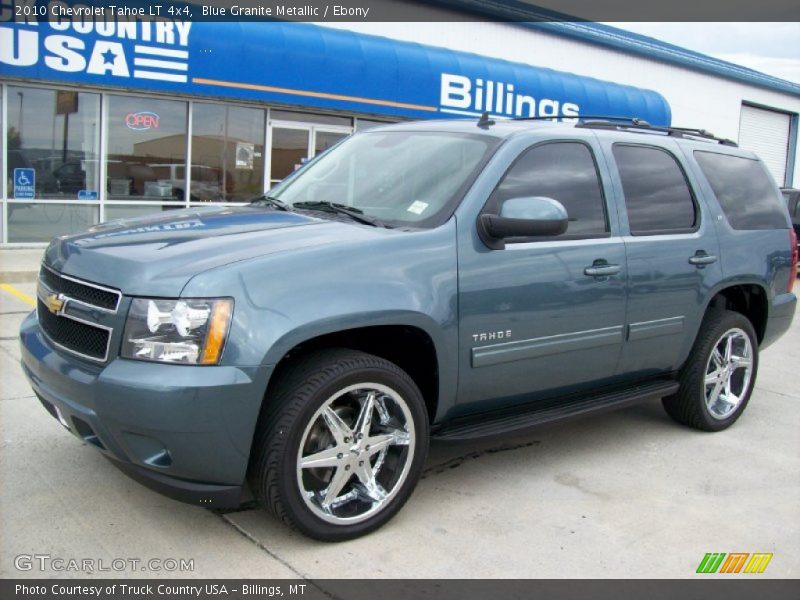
(698, 221)
(486, 210)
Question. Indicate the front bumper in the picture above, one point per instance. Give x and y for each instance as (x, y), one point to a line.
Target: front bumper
(182, 430)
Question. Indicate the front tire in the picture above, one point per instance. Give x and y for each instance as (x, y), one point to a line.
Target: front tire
(341, 445)
(718, 378)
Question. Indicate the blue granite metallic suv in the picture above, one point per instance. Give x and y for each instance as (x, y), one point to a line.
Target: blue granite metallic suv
(444, 279)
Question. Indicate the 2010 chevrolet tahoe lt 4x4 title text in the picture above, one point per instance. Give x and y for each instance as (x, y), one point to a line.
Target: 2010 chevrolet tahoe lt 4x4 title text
(445, 278)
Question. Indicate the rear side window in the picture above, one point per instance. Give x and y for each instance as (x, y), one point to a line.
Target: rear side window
(748, 197)
(564, 171)
(657, 195)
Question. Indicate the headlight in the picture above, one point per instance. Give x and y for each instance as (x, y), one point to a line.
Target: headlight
(189, 331)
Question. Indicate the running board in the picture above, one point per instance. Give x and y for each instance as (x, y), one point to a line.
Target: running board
(487, 425)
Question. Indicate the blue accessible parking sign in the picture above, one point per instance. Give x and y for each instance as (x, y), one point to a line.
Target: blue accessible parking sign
(24, 184)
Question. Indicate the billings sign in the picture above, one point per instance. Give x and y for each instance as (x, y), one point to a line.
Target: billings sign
(115, 50)
(299, 64)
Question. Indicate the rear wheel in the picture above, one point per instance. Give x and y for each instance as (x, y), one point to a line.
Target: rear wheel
(342, 445)
(718, 378)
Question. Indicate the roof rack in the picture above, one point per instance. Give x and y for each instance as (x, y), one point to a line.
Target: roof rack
(641, 125)
(633, 120)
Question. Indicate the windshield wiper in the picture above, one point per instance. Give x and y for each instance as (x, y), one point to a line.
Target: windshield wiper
(271, 201)
(351, 211)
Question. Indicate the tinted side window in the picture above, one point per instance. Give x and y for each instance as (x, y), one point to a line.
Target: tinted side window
(748, 197)
(657, 195)
(564, 171)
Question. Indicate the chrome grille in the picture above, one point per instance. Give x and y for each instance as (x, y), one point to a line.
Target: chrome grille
(80, 291)
(76, 336)
(63, 316)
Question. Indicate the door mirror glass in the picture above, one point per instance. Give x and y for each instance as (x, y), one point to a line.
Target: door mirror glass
(535, 216)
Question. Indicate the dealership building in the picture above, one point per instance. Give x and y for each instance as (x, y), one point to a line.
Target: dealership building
(114, 119)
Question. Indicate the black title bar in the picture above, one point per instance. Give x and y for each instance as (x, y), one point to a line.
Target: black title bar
(405, 10)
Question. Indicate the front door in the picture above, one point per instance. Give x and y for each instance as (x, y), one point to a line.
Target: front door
(543, 317)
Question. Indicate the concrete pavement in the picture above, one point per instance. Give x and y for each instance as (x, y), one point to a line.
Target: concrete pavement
(626, 494)
(19, 265)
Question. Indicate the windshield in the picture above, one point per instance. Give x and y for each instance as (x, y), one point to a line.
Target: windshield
(399, 177)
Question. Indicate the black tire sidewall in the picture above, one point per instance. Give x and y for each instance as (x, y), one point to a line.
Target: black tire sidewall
(299, 513)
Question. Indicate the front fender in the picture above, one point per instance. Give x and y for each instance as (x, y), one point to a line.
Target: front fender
(394, 278)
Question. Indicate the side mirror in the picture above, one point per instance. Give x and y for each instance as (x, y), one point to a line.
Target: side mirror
(534, 216)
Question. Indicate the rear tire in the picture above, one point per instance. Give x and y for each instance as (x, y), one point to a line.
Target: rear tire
(341, 444)
(718, 377)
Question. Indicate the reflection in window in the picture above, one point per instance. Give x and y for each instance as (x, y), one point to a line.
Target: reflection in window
(146, 149)
(227, 153)
(326, 139)
(42, 221)
(132, 211)
(744, 191)
(399, 177)
(657, 195)
(564, 171)
(55, 133)
(289, 151)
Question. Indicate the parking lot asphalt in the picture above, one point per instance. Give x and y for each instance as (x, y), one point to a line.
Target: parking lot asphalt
(625, 494)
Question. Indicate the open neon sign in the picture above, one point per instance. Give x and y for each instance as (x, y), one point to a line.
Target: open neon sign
(142, 121)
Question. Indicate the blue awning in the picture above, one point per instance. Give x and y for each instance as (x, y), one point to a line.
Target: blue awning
(311, 66)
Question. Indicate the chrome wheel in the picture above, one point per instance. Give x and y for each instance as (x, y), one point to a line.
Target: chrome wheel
(728, 373)
(355, 453)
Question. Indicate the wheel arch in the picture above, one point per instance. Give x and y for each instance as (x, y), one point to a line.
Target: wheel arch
(407, 342)
(750, 299)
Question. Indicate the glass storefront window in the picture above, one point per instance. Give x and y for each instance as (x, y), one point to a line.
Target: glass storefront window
(131, 211)
(146, 149)
(64, 185)
(289, 150)
(42, 221)
(227, 153)
(53, 137)
(326, 139)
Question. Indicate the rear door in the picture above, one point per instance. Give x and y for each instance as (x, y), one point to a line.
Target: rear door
(672, 254)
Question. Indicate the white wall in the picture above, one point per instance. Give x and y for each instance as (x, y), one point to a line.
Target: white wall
(697, 99)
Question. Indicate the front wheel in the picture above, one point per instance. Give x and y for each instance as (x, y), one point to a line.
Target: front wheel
(342, 444)
(718, 377)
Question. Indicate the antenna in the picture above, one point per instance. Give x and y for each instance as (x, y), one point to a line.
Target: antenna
(485, 122)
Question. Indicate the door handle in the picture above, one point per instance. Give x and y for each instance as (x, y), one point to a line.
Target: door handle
(602, 270)
(701, 259)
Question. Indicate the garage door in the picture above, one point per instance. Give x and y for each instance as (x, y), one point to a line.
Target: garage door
(766, 132)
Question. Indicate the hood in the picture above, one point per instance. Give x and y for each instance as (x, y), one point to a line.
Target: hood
(157, 255)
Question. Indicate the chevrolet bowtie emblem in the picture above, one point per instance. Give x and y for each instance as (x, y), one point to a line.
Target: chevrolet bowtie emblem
(54, 303)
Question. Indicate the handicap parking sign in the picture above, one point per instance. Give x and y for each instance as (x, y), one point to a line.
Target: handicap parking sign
(24, 184)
